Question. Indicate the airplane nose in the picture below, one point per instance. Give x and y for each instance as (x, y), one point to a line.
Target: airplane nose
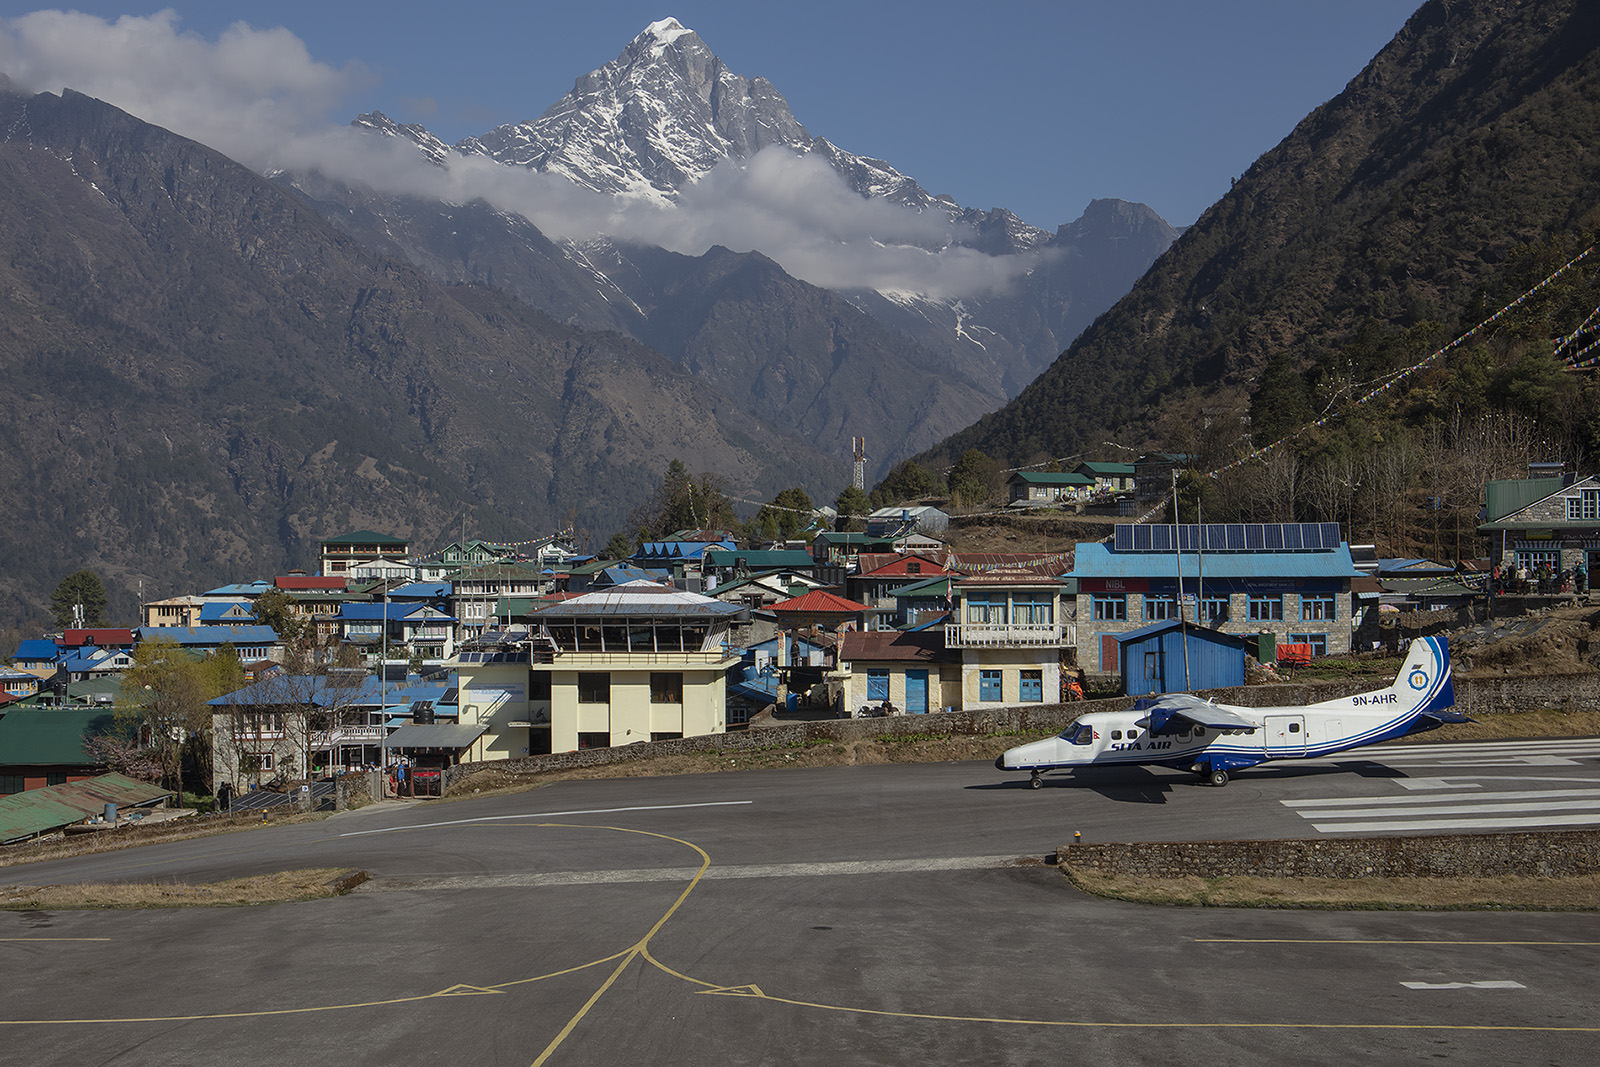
(1000, 763)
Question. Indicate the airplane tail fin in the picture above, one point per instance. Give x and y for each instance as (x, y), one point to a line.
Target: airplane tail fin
(1424, 679)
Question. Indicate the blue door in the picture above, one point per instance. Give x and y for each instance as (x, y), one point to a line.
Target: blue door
(1030, 687)
(917, 692)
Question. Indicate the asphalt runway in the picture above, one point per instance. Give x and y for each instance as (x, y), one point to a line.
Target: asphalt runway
(874, 915)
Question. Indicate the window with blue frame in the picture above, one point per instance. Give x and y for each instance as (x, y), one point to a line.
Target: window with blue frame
(1033, 609)
(1214, 610)
(986, 608)
(1319, 606)
(1111, 608)
(1030, 687)
(1318, 642)
(878, 685)
(1160, 606)
(1266, 608)
(989, 687)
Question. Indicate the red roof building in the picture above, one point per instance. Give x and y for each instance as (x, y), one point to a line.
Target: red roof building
(307, 583)
(818, 608)
(99, 638)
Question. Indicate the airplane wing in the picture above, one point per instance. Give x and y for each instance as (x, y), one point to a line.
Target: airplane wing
(1176, 712)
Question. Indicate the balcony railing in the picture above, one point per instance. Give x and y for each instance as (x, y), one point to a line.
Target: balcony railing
(1003, 635)
(346, 735)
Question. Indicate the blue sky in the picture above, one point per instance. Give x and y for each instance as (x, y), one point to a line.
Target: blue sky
(1035, 106)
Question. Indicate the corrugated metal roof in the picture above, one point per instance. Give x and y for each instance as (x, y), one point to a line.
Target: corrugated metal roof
(1504, 498)
(50, 737)
(639, 599)
(37, 648)
(435, 735)
(1097, 560)
(41, 811)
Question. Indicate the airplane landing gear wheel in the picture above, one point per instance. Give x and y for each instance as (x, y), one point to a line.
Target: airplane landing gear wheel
(1036, 781)
(1219, 778)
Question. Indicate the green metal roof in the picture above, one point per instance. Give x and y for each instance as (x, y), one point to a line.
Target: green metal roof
(1107, 470)
(364, 537)
(1506, 497)
(1050, 478)
(43, 737)
(40, 811)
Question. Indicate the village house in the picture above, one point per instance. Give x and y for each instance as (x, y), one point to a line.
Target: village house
(1007, 627)
(1292, 580)
(1543, 522)
(1040, 488)
(341, 554)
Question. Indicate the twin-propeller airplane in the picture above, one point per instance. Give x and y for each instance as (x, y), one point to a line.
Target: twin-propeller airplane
(1184, 731)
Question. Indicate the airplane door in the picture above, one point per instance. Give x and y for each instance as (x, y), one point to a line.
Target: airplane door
(1286, 735)
(917, 692)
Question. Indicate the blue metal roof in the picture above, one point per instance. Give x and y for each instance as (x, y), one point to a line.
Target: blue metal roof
(1097, 560)
(214, 613)
(420, 591)
(36, 648)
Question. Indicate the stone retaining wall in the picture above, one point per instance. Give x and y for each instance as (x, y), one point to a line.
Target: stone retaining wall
(1546, 855)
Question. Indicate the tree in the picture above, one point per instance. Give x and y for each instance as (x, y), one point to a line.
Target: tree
(79, 590)
(169, 686)
(276, 608)
(851, 504)
(619, 547)
(973, 478)
(907, 481)
(790, 512)
(682, 503)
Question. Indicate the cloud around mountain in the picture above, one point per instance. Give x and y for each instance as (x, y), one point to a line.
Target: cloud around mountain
(259, 97)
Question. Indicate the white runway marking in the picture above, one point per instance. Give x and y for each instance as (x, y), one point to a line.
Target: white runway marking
(550, 815)
(1452, 802)
(1492, 984)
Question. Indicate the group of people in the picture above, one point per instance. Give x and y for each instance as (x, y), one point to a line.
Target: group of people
(1543, 580)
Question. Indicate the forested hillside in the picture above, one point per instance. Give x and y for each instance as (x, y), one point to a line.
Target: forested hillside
(1453, 173)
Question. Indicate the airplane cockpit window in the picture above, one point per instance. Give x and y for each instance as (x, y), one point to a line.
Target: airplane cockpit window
(1084, 735)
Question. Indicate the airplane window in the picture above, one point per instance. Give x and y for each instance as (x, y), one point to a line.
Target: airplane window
(1294, 728)
(1116, 735)
(1199, 731)
(1133, 735)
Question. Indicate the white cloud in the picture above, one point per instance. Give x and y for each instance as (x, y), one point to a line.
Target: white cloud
(259, 97)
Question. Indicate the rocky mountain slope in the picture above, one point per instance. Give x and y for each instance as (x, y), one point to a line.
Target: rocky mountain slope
(207, 377)
(1425, 194)
(663, 116)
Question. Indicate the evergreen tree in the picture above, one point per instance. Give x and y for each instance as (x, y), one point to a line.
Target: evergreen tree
(788, 514)
(973, 478)
(851, 504)
(79, 589)
(907, 481)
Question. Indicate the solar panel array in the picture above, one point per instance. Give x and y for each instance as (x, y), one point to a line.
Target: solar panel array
(1229, 537)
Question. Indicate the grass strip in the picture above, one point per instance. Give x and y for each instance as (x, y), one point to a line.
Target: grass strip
(284, 886)
(1511, 893)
